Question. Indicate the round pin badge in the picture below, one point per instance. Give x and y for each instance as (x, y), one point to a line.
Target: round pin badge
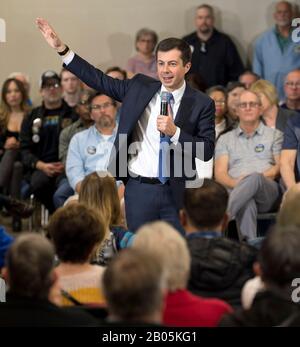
(91, 150)
(35, 138)
(259, 148)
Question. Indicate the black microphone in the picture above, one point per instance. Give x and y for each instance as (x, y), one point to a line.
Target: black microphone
(163, 107)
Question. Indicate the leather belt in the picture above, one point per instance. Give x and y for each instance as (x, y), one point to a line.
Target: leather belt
(148, 180)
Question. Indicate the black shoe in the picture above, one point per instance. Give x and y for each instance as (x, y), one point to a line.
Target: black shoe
(19, 208)
(16, 224)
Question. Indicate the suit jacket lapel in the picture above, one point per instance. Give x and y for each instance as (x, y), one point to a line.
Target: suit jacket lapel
(142, 100)
(185, 108)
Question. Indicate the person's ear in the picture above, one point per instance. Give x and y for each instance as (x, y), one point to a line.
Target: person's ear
(225, 222)
(187, 67)
(257, 269)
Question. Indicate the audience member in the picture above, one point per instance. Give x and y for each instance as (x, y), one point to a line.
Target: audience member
(273, 116)
(248, 78)
(40, 137)
(76, 231)
(275, 53)
(215, 57)
(290, 155)
(247, 164)
(234, 90)
(222, 121)
(134, 286)
(24, 78)
(33, 288)
(144, 61)
(116, 72)
(71, 87)
(13, 109)
(278, 265)
(64, 190)
(89, 150)
(99, 191)
(182, 308)
(292, 91)
(220, 266)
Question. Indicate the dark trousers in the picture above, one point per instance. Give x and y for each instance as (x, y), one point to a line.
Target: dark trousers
(146, 203)
(11, 171)
(43, 188)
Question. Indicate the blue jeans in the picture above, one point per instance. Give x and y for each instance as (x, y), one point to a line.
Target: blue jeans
(63, 192)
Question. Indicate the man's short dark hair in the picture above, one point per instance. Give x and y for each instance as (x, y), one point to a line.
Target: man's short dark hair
(117, 69)
(207, 7)
(30, 261)
(217, 88)
(279, 257)
(75, 230)
(174, 43)
(133, 285)
(100, 94)
(207, 205)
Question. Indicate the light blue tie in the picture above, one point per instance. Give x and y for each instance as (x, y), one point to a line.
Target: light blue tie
(165, 141)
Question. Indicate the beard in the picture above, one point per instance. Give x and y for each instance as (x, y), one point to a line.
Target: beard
(205, 30)
(283, 22)
(105, 122)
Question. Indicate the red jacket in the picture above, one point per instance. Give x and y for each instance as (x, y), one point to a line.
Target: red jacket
(183, 309)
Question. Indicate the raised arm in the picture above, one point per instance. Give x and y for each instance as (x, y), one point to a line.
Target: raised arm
(50, 35)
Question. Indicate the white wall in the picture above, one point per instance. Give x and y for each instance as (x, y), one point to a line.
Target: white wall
(103, 31)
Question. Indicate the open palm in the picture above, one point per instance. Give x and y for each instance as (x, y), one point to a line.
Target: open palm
(49, 34)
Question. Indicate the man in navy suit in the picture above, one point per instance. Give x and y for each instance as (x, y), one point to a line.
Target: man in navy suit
(152, 192)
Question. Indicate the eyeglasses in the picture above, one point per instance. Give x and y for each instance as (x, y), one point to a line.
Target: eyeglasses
(293, 84)
(251, 104)
(49, 86)
(220, 102)
(103, 106)
(83, 103)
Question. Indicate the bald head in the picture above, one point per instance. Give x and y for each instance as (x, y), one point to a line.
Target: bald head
(292, 86)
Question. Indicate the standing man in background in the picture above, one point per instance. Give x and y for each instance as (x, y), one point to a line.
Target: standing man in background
(215, 57)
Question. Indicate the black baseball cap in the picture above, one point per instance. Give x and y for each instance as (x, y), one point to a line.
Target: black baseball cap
(49, 77)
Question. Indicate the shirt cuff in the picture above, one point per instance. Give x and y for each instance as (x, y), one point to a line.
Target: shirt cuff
(68, 58)
(175, 137)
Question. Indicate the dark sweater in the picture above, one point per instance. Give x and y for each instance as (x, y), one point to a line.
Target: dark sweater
(220, 63)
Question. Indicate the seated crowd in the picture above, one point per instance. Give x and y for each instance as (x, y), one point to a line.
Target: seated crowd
(91, 270)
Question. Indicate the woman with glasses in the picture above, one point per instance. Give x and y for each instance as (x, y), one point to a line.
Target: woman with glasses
(273, 115)
(144, 61)
(222, 121)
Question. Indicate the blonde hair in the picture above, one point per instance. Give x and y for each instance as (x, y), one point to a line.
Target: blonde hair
(165, 242)
(98, 190)
(266, 88)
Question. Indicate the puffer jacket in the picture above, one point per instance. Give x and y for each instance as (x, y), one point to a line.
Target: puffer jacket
(220, 267)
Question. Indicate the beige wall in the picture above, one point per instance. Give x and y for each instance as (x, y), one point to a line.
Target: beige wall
(103, 31)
